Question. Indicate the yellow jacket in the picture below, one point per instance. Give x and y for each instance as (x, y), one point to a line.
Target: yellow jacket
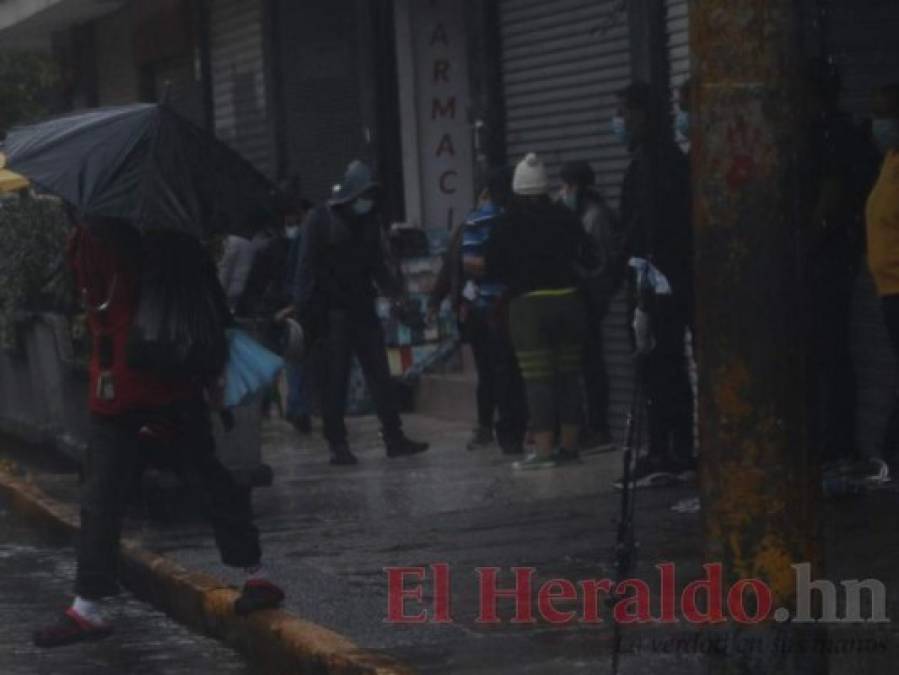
(882, 218)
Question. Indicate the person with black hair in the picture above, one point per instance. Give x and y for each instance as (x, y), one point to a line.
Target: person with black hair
(479, 305)
(882, 227)
(341, 260)
(657, 227)
(580, 194)
(140, 411)
(839, 168)
(540, 251)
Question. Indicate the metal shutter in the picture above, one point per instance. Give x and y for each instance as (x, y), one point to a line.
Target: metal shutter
(562, 63)
(238, 79)
(322, 92)
(179, 83)
(678, 30)
(117, 77)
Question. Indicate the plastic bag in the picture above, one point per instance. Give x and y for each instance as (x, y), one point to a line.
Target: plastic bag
(251, 368)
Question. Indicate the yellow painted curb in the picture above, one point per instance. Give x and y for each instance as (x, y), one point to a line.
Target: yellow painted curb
(274, 641)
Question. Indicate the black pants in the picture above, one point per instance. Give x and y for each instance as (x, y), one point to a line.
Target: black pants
(596, 379)
(890, 304)
(668, 391)
(500, 385)
(355, 333)
(115, 450)
(834, 412)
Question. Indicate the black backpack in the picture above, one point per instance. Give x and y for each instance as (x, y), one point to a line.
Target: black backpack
(179, 327)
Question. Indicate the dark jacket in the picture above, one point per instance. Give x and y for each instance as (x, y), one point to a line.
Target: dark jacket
(656, 216)
(539, 245)
(341, 258)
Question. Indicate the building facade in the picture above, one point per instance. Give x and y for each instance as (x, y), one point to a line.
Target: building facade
(432, 93)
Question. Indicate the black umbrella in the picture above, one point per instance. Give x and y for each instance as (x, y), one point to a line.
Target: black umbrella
(142, 162)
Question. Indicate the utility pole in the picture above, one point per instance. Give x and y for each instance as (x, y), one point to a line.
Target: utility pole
(759, 480)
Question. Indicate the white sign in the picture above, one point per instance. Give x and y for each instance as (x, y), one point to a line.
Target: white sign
(437, 137)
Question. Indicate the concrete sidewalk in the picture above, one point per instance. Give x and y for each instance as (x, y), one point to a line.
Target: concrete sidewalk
(328, 533)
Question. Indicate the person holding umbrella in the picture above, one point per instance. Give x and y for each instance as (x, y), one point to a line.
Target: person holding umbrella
(125, 172)
(341, 259)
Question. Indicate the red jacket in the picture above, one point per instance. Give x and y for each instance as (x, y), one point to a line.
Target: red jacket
(108, 279)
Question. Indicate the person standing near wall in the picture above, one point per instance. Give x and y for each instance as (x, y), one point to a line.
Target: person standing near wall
(882, 219)
(341, 259)
(580, 194)
(539, 250)
(478, 303)
(657, 225)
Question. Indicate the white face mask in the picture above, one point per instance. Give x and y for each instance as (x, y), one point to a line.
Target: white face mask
(363, 206)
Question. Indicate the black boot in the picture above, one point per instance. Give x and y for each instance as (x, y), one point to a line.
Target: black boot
(401, 446)
(341, 455)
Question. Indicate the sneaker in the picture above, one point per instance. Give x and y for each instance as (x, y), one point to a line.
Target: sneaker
(481, 438)
(566, 456)
(596, 442)
(341, 455)
(70, 628)
(534, 462)
(258, 594)
(512, 448)
(402, 446)
(648, 472)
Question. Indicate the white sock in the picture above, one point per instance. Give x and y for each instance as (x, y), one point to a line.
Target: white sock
(88, 609)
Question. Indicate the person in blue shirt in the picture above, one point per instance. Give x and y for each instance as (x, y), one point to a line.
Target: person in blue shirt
(479, 303)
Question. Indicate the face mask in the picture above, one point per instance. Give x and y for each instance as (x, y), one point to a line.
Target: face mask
(569, 199)
(619, 130)
(292, 231)
(682, 124)
(363, 206)
(886, 134)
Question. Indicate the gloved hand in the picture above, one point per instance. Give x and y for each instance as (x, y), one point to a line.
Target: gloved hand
(643, 337)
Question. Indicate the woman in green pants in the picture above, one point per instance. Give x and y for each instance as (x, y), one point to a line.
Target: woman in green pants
(540, 251)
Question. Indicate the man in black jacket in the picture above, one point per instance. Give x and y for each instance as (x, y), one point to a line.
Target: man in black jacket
(656, 218)
(341, 259)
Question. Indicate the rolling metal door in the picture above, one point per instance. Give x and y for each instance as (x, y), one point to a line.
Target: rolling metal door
(678, 30)
(117, 76)
(322, 91)
(563, 61)
(238, 79)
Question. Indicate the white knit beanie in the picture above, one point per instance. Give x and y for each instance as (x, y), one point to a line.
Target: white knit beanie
(530, 177)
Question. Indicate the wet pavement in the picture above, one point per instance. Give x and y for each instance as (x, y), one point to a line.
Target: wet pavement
(328, 534)
(36, 575)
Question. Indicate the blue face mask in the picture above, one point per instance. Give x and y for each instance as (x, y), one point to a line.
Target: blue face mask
(682, 124)
(569, 199)
(886, 133)
(363, 206)
(619, 130)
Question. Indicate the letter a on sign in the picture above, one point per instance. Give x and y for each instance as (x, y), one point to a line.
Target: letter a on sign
(446, 146)
(440, 35)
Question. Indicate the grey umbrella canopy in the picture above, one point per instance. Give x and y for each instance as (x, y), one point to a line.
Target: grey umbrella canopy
(142, 162)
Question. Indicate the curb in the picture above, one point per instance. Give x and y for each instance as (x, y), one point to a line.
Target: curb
(273, 640)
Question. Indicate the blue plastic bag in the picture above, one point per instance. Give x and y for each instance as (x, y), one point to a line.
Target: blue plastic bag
(251, 368)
